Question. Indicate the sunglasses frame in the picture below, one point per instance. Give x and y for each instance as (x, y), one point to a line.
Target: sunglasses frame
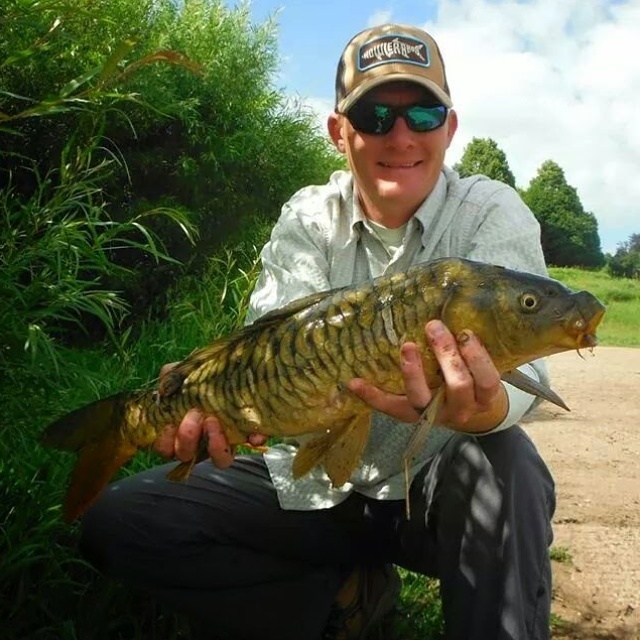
(397, 111)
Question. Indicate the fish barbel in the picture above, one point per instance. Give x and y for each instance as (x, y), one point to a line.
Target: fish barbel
(286, 374)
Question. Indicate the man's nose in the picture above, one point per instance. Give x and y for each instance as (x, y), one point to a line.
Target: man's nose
(400, 132)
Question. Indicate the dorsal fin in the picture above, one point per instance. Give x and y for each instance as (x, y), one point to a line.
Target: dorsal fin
(294, 307)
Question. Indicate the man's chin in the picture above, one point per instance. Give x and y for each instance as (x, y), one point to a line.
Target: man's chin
(397, 190)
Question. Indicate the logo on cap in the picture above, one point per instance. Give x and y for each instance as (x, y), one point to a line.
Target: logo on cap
(393, 48)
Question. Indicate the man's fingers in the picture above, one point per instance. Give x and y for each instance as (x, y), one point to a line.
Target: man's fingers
(415, 384)
(167, 368)
(257, 439)
(458, 379)
(220, 450)
(165, 442)
(485, 375)
(393, 405)
(189, 434)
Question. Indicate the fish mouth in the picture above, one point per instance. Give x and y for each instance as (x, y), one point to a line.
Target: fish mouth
(589, 311)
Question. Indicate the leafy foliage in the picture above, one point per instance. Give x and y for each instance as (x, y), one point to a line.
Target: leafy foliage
(173, 105)
(46, 590)
(59, 242)
(625, 263)
(569, 234)
(483, 156)
(57, 260)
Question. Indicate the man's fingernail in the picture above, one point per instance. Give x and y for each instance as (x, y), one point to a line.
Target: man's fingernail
(436, 329)
(410, 357)
(464, 336)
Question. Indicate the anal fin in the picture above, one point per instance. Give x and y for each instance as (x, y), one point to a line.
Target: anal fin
(338, 451)
(182, 471)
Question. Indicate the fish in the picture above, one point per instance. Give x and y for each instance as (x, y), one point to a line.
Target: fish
(286, 373)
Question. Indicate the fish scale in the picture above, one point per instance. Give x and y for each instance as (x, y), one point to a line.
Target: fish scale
(286, 374)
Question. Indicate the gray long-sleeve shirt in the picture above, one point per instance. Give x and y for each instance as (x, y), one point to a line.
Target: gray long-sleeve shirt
(323, 240)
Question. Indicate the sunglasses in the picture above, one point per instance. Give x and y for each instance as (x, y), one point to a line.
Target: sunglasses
(377, 119)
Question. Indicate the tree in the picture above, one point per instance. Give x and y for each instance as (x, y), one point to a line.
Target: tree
(626, 261)
(482, 155)
(569, 233)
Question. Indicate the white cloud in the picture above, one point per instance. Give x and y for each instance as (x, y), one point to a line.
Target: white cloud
(552, 80)
(379, 17)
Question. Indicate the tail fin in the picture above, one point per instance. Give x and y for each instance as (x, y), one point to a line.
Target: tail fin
(95, 432)
(92, 422)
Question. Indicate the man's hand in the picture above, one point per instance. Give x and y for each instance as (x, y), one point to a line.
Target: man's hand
(183, 441)
(475, 399)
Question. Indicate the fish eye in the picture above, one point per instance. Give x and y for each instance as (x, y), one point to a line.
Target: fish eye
(529, 301)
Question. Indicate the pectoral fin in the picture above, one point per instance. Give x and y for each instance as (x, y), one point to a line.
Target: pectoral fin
(535, 388)
(420, 433)
(423, 426)
(338, 451)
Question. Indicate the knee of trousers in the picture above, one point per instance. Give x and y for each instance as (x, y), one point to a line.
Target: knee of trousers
(517, 464)
(504, 465)
(117, 523)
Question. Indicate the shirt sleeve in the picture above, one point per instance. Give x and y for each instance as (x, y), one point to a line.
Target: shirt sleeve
(294, 260)
(509, 235)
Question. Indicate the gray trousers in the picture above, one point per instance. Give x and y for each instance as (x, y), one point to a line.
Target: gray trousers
(221, 549)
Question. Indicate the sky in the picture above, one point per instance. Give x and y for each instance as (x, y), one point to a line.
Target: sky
(545, 79)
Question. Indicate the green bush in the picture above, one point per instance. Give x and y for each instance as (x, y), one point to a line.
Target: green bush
(181, 94)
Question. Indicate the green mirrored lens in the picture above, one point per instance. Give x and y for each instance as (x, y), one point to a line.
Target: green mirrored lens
(383, 118)
(421, 118)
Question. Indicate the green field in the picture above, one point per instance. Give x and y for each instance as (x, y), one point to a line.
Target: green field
(621, 323)
(46, 591)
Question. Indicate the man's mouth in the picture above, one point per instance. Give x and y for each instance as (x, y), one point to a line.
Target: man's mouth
(399, 165)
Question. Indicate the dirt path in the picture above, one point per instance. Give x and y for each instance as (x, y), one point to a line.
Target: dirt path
(594, 455)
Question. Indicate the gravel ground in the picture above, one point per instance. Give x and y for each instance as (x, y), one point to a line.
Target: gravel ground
(594, 454)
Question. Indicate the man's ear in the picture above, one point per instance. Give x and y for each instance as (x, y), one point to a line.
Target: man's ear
(452, 125)
(336, 131)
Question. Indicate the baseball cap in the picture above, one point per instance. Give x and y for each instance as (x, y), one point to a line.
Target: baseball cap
(386, 53)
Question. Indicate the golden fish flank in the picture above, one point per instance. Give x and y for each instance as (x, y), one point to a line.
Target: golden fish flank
(286, 373)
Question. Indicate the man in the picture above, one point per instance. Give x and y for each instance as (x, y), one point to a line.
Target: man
(253, 553)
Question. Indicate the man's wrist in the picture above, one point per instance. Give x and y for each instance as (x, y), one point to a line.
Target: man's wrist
(518, 401)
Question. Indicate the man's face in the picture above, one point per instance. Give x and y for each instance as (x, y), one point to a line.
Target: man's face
(395, 171)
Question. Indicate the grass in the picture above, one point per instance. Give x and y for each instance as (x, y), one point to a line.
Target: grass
(46, 591)
(419, 612)
(557, 623)
(621, 324)
(560, 554)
